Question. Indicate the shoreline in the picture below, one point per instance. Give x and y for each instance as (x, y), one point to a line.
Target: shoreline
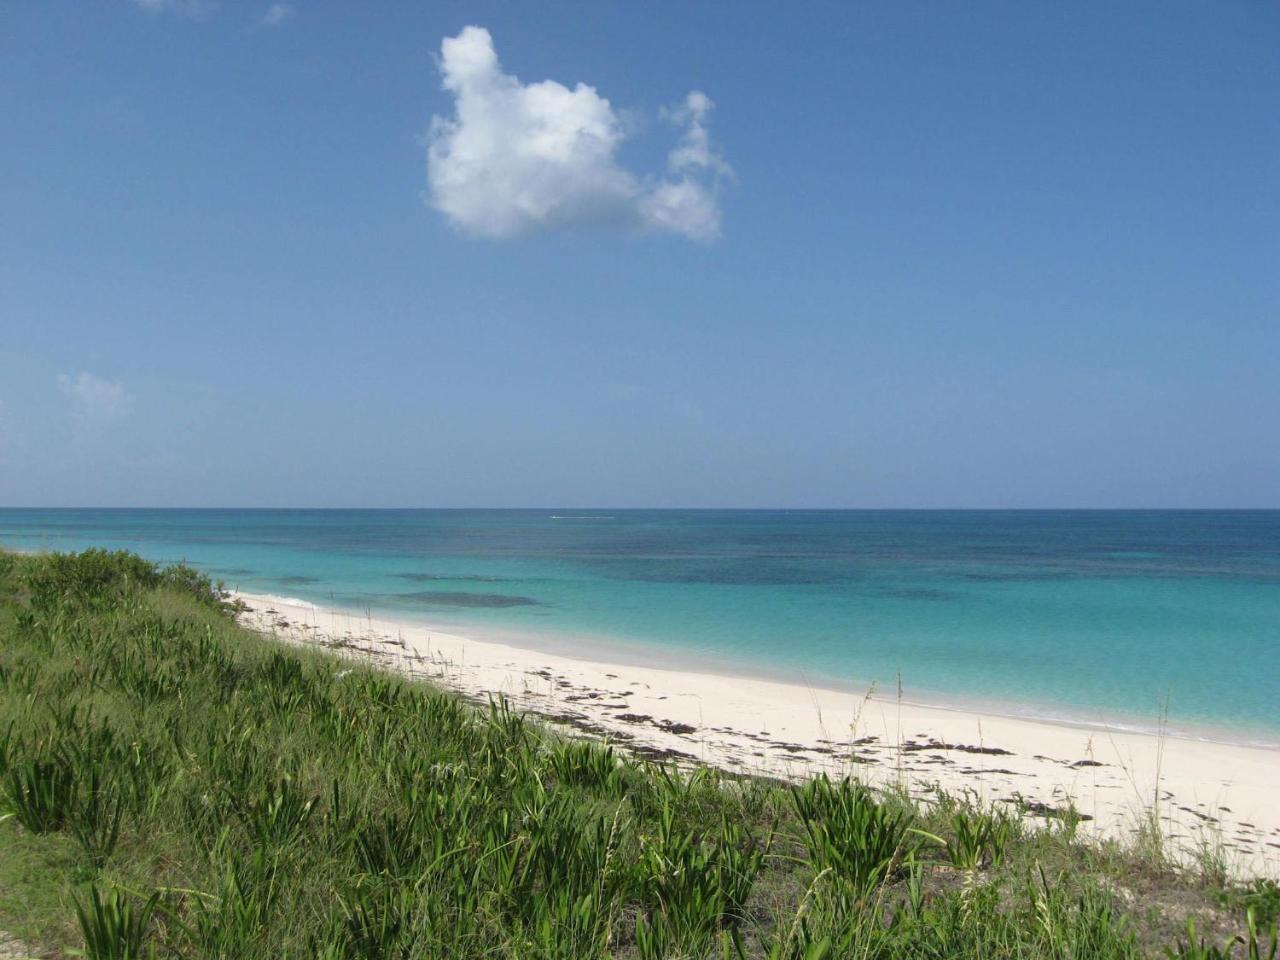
(1206, 796)
(623, 653)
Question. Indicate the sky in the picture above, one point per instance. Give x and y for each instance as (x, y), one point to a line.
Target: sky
(639, 255)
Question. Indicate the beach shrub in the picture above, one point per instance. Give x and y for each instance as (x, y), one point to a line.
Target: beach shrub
(42, 794)
(97, 818)
(589, 765)
(1262, 896)
(698, 885)
(978, 838)
(862, 841)
(90, 576)
(1250, 946)
(114, 928)
(101, 577)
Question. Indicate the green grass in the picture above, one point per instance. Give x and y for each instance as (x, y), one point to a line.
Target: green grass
(174, 786)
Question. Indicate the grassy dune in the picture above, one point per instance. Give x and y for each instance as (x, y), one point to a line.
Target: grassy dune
(174, 786)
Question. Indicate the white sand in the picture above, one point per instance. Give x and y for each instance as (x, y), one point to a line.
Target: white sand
(1222, 795)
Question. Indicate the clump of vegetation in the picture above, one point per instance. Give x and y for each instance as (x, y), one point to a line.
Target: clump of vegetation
(174, 786)
(978, 837)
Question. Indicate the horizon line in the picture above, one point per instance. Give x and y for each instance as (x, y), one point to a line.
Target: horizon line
(652, 509)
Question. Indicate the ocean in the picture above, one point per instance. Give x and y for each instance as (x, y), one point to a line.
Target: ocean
(1122, 617)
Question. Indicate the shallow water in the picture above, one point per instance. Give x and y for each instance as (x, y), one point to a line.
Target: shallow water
(1069, 614)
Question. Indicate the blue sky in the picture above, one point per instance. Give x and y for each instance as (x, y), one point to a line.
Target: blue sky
(919, 255)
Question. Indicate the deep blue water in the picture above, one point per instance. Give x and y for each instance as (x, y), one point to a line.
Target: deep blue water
(1075, 614)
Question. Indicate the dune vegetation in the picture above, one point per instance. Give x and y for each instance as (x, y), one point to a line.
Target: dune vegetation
(172, 785)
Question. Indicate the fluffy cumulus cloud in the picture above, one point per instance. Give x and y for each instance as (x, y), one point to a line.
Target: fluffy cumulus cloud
(516, 158)
(94, 399)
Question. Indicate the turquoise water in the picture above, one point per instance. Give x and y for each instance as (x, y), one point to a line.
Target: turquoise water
(1071, 614)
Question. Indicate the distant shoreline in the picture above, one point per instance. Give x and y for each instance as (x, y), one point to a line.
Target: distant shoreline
(1209, 793)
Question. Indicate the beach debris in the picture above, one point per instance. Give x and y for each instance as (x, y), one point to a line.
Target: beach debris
(912, 746)
(660, 753)
(679, 729)
(1038, 809)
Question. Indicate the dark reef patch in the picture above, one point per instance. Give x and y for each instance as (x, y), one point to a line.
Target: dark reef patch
(457, 598)
(914, 593)
(297, 581)
(1019, 576)
(445, 577)
(752, 571)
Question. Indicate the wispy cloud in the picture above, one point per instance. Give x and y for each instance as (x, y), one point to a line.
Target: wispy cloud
(694, 153)
(95, 400)
(276, 14)
(516, 158)
(186, 8)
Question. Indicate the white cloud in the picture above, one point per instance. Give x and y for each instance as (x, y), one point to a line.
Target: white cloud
(187, 8)
(516, 158)
(94, 399)
(683, 206)
(694, 151)
(276, 14)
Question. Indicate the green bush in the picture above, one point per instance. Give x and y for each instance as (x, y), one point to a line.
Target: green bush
(103, 577)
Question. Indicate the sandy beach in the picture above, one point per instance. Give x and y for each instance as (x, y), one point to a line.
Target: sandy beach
(1205, 794)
